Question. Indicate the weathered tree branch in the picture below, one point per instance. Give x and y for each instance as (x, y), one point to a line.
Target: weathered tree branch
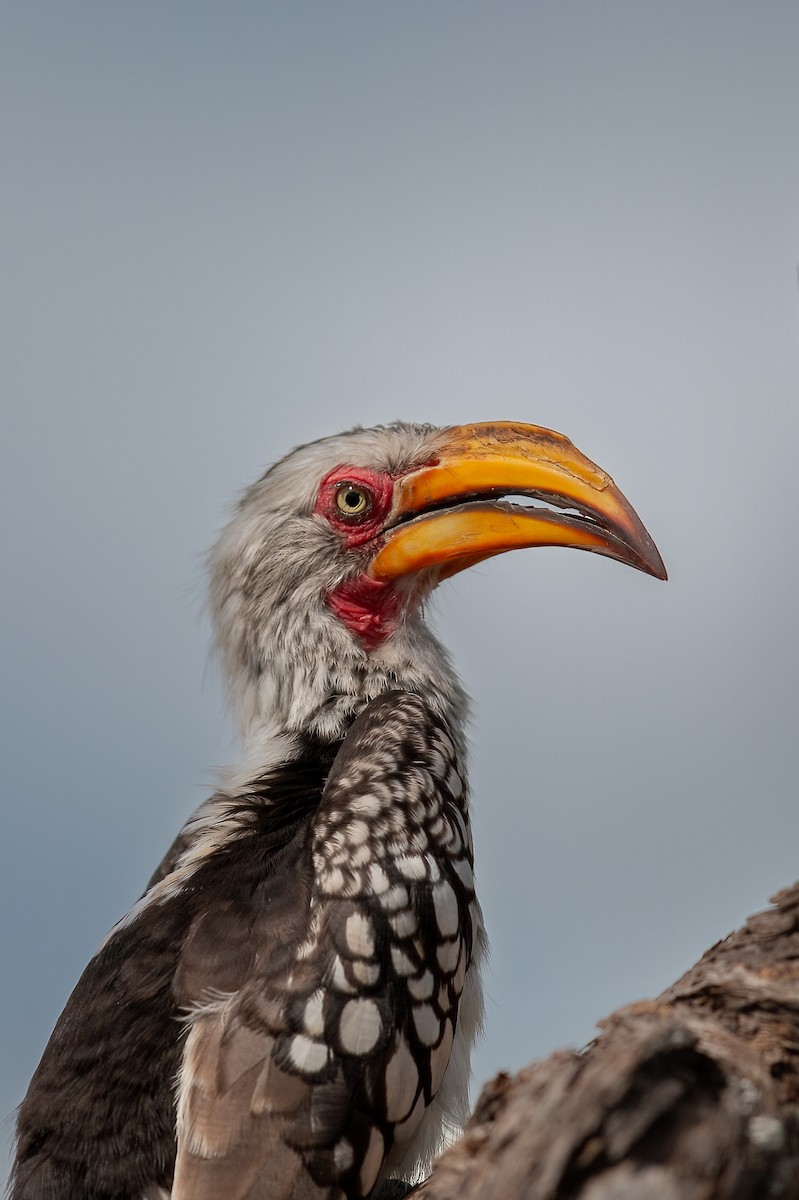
(693, 1096)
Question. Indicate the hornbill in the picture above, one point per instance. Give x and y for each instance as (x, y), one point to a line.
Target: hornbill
(288, 1011)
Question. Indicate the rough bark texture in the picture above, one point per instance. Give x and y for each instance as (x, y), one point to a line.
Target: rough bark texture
(691, 1096)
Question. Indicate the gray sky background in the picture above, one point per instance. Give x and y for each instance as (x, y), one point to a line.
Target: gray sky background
(228, 228)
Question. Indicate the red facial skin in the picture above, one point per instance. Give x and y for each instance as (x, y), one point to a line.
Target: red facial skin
(368, 607)
(363, 527)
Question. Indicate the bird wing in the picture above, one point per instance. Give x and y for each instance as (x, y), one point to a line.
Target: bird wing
(297, 1085)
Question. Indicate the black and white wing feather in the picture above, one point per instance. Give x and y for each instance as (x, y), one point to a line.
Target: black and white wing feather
(316, 1074)
(275, 1017)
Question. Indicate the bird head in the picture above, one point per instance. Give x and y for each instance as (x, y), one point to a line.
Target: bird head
(319, 579)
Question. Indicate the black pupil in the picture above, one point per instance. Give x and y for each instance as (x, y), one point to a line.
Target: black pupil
(352, 498)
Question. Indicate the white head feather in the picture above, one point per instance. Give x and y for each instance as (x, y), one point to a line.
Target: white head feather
(291, 663)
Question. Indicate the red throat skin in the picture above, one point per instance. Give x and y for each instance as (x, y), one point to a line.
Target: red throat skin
(368, 607)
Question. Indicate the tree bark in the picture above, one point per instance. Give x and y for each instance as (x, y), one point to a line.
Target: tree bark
(693, 1096)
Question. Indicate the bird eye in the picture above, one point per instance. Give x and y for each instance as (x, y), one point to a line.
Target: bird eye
(352, 500)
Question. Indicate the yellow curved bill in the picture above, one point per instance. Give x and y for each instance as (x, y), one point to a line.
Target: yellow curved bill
(449, 514)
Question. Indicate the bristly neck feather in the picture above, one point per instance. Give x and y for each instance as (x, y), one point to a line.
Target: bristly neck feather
(315, 677)
(299, 669)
